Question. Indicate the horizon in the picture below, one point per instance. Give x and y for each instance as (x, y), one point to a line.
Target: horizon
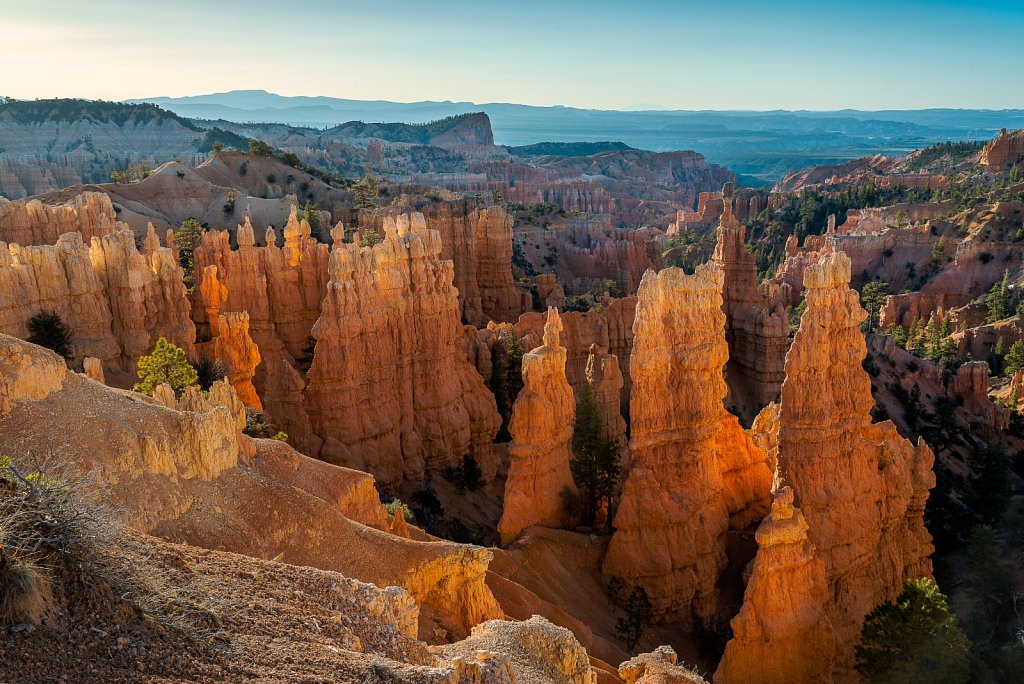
(926, 55)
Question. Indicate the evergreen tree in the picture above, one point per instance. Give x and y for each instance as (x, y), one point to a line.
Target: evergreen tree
(914, 639)
(872, 297)
(365, 190)
(186, 238)
(998, 299)
(595, 461)
(639, 613)
(988, 484)
(47, 329)
(1015, 357)
(988, 580)
(167, 364)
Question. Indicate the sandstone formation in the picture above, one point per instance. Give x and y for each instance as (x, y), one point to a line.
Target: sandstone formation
(542, 428)
(117, 301)
(604, 375)
(182, 470)
(610, 327)
(861, 487)
(676, 501)
(782, 634)
(389, 391)
(1003, 152)
(756, 329)
(30, 222)
(281, 291)
(657, 667)
(478, 242)
(533, 651)
(549, 291)
(233, 346)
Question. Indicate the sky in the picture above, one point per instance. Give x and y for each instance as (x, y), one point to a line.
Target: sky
(603, 54)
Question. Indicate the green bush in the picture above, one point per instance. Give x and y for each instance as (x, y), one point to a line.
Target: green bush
(167, 364)
(396, 505)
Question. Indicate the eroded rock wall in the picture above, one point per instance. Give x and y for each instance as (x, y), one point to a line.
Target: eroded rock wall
(861, 487)
(756, 329)
(675, 506)
(542, 429)
(389, 390)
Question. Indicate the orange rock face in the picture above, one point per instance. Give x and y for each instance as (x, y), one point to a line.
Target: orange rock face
(233, 346)
(281, 290)
(117, 301)
(389, 390)
(782, 634)
(861, 487)
(604, 376)
(1005, 150)
(30, 222)
(676, 505)
(757, 330)
(479, 244)
(541, 427)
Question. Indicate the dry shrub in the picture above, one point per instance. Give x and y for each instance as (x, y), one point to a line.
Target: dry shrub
(55, 532)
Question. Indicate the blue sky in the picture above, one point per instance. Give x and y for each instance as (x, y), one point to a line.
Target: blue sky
(686, 55)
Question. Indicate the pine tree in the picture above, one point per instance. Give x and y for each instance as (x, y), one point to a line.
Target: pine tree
(998, 299)
(639, 613)
(873, 298)
(47, 329)
(186, 238)
(914, 639)
(1015, 357)
(167, 364)
(595, 461)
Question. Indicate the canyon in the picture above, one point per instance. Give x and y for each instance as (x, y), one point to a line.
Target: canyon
(422, 355)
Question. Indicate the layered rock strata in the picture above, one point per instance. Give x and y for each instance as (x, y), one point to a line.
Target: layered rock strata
(676, 501)
(478, 241)
(30, 222)
(116, 301)
(756, 329)
(281, 290)
(782, 634)
(181, 469)
(542, 428)
(861, 487)
(389, 391)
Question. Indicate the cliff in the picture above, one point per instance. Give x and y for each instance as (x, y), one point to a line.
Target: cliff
(389, 391)
(117, 301)
(861, 487)
(478, 242)
(281, 290)
(1003, 151)
(30, 222)
(675, 506)
(182, 470)
(782, 634)
(756, 329)
(542, 429)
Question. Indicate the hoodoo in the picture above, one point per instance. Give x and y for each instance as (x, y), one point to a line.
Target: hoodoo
(861, 486)
(675, 508)
(389, 391)
(541, 427)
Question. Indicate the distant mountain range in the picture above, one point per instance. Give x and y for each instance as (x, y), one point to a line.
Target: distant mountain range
(764, 144)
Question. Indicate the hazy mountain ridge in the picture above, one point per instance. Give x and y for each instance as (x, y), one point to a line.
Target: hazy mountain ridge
(762, 144)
